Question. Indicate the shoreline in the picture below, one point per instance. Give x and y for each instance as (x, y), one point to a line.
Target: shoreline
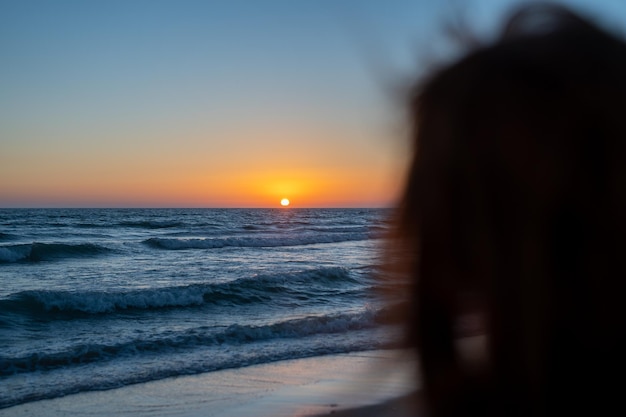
(405, 406)
(342, 385)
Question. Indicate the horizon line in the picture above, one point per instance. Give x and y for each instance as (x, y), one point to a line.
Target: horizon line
(185, 208)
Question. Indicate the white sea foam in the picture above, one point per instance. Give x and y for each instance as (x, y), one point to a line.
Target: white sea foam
(251, 242)
(14, 253)
(241, 291)
(106, 302)
(234, 335)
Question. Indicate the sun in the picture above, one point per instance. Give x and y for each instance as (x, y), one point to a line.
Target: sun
(284, 202)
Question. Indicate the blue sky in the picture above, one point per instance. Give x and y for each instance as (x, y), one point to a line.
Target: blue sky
(203, 103)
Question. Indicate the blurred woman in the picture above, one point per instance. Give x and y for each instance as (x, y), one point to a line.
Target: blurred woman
(514, 221)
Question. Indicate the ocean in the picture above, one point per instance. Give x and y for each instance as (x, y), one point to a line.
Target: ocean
(93, 299)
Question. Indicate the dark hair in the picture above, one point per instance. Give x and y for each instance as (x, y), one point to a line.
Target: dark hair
(514, 211)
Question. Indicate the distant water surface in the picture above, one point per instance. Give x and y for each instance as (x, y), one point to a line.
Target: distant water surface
(100, 298)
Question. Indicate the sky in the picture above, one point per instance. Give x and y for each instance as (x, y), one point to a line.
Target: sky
(234, 103)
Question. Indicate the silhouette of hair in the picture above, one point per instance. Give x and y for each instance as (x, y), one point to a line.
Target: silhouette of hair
(514, 216)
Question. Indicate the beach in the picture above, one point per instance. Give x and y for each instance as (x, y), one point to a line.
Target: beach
(371, 383)
(97, 299)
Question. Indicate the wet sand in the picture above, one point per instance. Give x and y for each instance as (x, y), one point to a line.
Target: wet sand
(374, 383)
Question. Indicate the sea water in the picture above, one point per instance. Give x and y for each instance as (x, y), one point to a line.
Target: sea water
(93, 299)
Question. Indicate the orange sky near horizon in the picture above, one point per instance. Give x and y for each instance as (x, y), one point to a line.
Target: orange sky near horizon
(111, 185)
(305, 164)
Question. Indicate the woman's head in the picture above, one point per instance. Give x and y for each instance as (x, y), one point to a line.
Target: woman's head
(515, 213)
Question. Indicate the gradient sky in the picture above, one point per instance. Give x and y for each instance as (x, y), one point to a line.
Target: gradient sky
(217, 103)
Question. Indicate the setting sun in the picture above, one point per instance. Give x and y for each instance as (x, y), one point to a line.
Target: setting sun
(284, 202)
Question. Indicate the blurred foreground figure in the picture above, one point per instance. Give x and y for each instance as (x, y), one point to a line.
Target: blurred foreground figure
(514, 218)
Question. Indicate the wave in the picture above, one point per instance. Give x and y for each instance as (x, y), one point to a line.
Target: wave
(253, 242)
(198, 337)
(152, 224)
(35, 252)
(340, 229)
(256, 289)
(7, 236)
(304, 229)
(104, 375)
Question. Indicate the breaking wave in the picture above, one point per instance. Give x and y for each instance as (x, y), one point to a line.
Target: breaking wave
(255, 289)
(202, 336)
(35, 252)
(253, 242)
